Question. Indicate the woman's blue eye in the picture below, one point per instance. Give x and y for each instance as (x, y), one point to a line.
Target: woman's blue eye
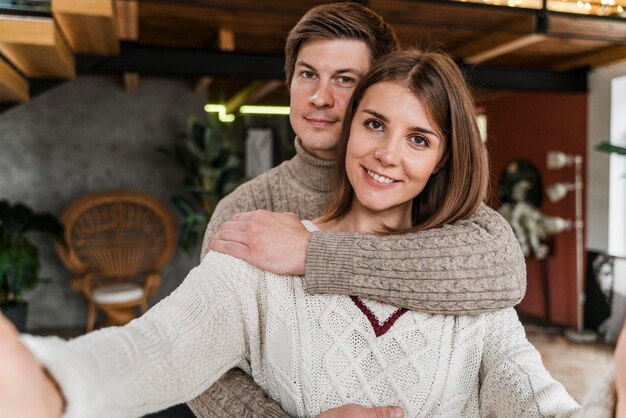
(418, 140)
(374, 124)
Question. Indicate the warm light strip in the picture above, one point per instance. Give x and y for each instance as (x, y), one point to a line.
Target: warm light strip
(251, 110)
(265, 110)
(221, 112)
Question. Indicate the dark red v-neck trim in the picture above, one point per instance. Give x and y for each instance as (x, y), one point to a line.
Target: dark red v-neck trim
(379, 329)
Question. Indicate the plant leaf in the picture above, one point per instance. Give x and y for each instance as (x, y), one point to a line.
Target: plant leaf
(610, 148)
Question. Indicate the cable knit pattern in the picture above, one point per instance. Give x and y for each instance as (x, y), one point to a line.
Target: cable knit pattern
(235, 395)
(472, 266)
(309, 352)
(469, 267)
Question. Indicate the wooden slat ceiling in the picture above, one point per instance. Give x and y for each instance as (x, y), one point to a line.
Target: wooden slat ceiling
(475, 34)
(261, 27)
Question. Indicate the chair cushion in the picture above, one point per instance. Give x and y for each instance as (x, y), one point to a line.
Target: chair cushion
(118, 293)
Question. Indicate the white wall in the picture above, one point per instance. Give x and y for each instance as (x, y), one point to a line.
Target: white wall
(606, 186)
(603, 125)
(617, 174)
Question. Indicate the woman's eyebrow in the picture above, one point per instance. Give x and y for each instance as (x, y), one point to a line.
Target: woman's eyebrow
(377, 115)
(414, 128)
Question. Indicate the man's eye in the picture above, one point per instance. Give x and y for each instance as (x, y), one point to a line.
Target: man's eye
(374, 125)
(308, 74)
(346, 80)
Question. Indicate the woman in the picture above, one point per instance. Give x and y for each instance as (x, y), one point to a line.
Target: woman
(412, 158)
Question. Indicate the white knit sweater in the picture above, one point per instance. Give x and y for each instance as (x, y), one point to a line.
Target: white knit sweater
(309, 352)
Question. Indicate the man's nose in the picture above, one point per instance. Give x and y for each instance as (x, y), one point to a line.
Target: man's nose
(322, 96)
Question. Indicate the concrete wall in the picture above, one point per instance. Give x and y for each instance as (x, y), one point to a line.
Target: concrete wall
(83, 136)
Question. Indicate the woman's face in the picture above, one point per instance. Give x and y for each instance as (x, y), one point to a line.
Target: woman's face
(393, 149)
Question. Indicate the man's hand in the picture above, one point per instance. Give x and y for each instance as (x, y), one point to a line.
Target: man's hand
(25, 389)
(356, 411)
(275, 242)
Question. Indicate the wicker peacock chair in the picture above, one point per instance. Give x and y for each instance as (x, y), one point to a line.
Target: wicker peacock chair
(117, 244)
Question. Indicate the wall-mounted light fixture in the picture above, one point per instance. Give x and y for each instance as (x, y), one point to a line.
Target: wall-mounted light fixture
(250, 110)
(264, 110)
(555, 192)
(221, 112)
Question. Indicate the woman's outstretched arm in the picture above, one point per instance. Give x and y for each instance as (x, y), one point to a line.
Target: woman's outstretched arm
(169, 355)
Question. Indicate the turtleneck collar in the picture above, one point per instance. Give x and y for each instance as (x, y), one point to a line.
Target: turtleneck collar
(313, 172)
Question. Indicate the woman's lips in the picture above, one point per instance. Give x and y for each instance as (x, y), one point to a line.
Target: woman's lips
(377, 178)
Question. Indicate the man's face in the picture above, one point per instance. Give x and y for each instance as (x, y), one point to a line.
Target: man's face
(324, 77)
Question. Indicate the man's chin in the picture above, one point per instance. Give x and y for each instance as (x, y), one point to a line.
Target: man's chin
(320, 149)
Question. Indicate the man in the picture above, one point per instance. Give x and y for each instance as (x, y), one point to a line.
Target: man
(327, 52)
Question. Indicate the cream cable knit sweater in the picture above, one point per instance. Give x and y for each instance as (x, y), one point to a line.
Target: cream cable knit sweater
(309, 352)
(473, 266)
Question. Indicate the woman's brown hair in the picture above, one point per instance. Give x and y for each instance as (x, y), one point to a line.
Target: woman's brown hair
(459, 184)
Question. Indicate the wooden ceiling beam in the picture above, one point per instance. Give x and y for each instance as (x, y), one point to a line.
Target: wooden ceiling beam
(127, 12)
(203, 84)
(243, 95)
(264, 91)
(495, 46)
(35, 46)
(226, 39)
(13, 86)
(127, 15)
(131, 82)
(88, 25)
(608, 56)
(515, 35)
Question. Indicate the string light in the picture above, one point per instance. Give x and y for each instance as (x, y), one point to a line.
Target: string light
(599, 7)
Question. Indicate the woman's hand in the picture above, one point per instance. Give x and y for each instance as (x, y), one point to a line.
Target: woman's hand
(620, 374)
(25, 389)
(356, 411)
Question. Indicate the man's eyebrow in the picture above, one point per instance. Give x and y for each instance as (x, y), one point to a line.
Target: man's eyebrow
(386, 120)
(339, 71)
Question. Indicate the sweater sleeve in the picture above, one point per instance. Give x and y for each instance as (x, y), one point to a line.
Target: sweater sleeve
(169, 355)
(235, 393)
(472, 266)
(513, 379)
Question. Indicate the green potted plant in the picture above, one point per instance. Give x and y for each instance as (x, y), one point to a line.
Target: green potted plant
(19, 257)
(212, 157)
